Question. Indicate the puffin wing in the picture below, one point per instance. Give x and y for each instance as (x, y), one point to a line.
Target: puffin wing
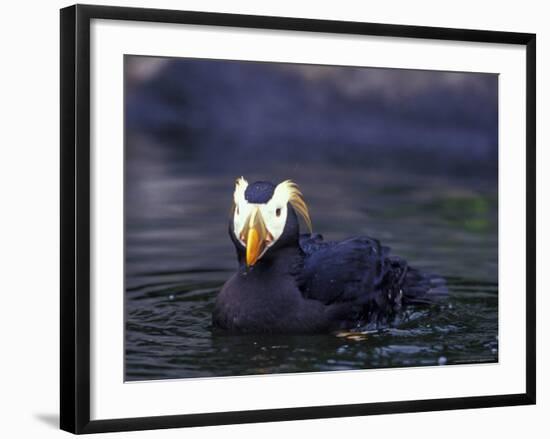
(343, 271)
(362, 271)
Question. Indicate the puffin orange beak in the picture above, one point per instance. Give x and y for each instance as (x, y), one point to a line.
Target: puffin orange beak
(256, 237)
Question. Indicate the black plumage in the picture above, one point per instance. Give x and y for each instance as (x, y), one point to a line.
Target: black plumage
(303, 284)
(259, 192)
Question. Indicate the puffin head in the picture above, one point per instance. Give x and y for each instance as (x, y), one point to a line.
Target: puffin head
(264, 217)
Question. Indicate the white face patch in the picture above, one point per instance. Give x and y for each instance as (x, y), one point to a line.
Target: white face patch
(274, 212)
(242, 208)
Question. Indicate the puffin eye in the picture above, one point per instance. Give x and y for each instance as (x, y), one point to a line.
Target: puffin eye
(278, 212)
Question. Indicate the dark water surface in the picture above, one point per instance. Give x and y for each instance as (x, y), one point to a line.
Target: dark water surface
(178, 255)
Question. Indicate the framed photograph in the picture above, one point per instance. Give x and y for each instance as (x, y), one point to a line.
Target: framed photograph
(268, 218)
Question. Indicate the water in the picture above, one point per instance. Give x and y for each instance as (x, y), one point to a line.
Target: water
(178, 255)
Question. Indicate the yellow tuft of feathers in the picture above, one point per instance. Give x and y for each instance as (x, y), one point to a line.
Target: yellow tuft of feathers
(296, 200)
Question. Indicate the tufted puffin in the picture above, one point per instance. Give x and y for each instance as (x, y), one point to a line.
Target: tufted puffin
(295, 283)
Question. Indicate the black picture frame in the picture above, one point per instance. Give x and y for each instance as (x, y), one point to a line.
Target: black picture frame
(75, 217)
